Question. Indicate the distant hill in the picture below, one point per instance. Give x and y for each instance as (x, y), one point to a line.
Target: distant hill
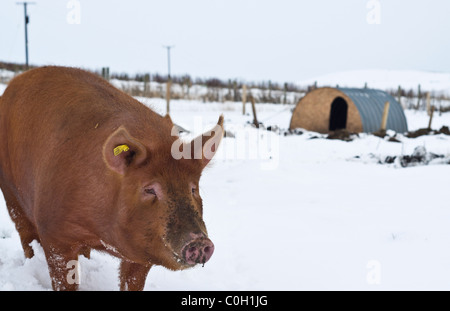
(435, 82)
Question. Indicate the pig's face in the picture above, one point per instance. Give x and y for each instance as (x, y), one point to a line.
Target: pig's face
(169, 216)
(160, 211)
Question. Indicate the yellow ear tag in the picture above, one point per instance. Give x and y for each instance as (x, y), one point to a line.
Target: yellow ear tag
(119, 149)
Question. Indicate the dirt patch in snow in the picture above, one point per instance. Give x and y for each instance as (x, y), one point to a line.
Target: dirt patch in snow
(426, 131)
(342, 134)
(419, 157)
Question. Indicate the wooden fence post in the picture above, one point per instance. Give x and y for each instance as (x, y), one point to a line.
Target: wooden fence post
(235, 91)
(419, 95)
(255, 119)
(146, 85)
(105, 73)
(244, 98)
(168, 86)
(384, 117)
(431, 117)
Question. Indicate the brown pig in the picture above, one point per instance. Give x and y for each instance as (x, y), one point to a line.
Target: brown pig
(84, 166)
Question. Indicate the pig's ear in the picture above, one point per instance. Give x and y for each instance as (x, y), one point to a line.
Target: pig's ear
(168, 118)
(210, 141)
(121, 151)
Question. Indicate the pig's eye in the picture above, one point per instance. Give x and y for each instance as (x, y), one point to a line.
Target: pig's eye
(194, 190)
(150, 191)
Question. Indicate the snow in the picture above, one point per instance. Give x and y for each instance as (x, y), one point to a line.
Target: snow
(296, 214)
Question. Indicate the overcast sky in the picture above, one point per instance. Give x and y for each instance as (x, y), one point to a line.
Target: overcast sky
(279, 40)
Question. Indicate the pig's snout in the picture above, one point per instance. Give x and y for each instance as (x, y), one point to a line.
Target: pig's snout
(198, 250)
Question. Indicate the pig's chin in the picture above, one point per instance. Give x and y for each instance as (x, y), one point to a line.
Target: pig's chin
(175, 262)
(169, 259)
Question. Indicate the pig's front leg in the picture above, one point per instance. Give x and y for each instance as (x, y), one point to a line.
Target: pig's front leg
(133, 275)
(63, 267)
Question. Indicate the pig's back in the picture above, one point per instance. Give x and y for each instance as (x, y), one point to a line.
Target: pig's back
(53, 122)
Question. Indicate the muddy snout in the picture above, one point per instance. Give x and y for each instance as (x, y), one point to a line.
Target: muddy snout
(198, 250)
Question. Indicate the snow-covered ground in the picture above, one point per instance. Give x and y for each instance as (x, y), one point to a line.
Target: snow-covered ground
(296, 214)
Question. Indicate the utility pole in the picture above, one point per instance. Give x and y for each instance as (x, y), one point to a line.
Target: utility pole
(168, 47)
(169, 80)
(27, 20)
